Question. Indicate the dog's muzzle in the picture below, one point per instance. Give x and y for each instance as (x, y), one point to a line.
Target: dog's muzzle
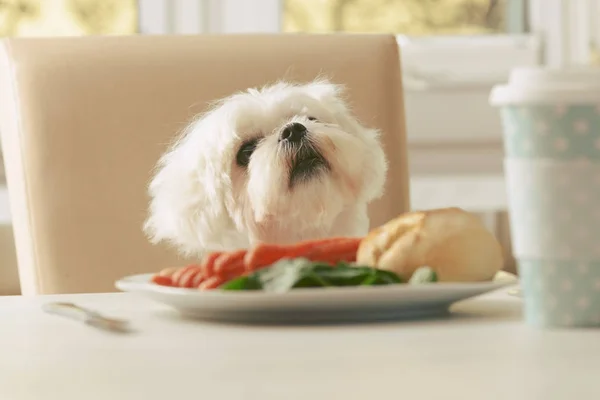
(306, 161)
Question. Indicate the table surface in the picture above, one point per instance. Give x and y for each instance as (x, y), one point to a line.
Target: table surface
(482, 351)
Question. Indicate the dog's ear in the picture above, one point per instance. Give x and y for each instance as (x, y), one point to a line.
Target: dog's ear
(187, 194)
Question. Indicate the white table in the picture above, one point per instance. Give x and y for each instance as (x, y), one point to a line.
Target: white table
(483, 352)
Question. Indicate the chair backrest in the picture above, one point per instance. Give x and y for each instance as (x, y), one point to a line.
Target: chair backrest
(84, 120)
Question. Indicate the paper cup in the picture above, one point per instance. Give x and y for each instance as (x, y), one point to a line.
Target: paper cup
(551, 122)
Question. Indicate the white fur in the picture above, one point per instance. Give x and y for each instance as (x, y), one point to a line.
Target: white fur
(202, 200)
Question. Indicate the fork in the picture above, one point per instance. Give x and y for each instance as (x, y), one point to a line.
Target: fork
(89, 317)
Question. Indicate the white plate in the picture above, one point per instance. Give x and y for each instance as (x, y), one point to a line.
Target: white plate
(347, 304)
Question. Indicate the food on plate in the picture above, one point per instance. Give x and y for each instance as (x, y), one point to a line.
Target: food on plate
(452, 242)
(288, 274)
(505, 277)
(423, 275)
(442, 245)
(330, 250)
(220, 267)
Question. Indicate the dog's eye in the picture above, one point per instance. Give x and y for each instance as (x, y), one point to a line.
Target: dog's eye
(245, 152)
(311, 118)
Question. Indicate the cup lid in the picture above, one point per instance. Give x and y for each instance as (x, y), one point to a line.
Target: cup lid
(535, 84)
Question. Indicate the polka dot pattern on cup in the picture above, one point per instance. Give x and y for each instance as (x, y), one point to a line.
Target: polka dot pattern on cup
(561, 293)
(552, 131)
(554, 209)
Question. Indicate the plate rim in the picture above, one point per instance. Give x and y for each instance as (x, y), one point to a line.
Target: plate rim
(131, 283)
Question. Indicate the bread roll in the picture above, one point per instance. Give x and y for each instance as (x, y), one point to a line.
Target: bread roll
(451, 241)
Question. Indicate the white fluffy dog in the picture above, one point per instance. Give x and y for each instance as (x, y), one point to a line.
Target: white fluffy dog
(280, 164)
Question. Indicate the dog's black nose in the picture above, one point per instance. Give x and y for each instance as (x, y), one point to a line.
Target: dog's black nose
(293, 132)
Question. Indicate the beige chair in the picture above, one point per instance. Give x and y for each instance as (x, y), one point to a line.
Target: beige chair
(83, 121)
(9, 276)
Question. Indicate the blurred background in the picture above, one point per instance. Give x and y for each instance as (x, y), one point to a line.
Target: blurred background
(415, 17)
(452, 53)
(409, 17)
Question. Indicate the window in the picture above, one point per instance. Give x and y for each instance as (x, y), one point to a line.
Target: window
(67, 17)
(445, 42)
(409, 17)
